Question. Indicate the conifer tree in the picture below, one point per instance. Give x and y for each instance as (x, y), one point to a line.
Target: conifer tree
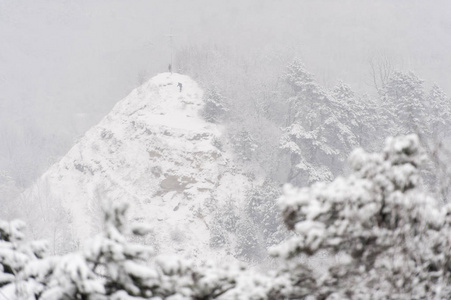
(318, 136)
(122, 264)
(438, 112)
(404, 101)
(215, 105)
(19, 259)
(393, 240)
(360, 113)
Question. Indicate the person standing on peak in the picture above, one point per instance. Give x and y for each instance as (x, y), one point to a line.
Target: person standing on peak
(170, 68)
(180, 86)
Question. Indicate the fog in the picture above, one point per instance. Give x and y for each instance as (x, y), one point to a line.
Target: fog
(263, 149)
(64, 64)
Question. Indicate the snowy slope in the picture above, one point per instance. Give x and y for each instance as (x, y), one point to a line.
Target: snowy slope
(154, 152)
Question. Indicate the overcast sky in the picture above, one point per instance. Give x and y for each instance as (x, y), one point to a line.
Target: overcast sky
(64, 64)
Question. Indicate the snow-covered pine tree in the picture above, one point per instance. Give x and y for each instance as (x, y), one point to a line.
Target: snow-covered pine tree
(111, 267)
(12, 259)
(438, 171)
(182, 280)
(392, 240)
(64, 277)
(404, 101)
(8, 190)
(258, 224)
(407, 108)
(17, 256)
(243, 145)
(121, 264)
(318, 135)
(129, 270)
(215, 105)
(438, 108)
(360, 113)
(261, 209)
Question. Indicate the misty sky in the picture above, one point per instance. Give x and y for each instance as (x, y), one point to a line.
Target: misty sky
(64, 64)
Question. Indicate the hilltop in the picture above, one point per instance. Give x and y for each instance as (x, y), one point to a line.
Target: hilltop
(153, 151)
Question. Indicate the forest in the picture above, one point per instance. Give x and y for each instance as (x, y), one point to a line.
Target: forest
(377, 223)
(309, 156)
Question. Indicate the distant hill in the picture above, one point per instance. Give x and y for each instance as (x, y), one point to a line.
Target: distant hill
(152, 151)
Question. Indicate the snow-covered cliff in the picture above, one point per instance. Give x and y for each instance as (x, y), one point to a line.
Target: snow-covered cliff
(155, 152)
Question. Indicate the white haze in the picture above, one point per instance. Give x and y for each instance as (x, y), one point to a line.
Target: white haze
(64, 64)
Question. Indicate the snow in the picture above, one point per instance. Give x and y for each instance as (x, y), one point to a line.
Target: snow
(154, 151)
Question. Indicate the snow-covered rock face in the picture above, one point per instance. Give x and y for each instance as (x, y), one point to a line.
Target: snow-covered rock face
(153, 151)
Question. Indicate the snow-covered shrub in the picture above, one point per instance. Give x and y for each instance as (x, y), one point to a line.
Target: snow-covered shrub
(394, 240)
